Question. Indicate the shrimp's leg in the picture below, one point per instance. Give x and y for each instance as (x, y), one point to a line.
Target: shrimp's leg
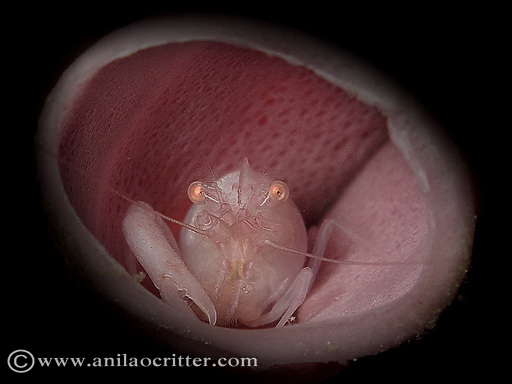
(296, 294)
(292, 299)
(157, 251)
(322, 237)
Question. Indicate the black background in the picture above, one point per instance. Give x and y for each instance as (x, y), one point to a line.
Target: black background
(449, 58)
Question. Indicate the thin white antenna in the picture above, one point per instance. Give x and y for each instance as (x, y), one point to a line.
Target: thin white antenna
(167, 218)
(346, 262)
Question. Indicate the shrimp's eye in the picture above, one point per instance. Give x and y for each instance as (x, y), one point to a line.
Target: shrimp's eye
(278, 191)
(196, 193)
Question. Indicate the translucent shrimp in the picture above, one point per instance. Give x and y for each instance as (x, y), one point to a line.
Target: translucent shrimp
(242, 256)
(233, 262)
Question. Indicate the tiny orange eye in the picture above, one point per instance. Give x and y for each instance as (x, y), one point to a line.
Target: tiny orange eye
(278, 191)
(196, 193)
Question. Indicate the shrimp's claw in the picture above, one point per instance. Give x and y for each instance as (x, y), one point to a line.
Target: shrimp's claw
(156, 249)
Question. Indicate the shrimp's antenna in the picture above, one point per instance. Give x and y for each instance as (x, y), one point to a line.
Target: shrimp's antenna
(220, 197)
(346, 262)
(167, 218)
(261, 188)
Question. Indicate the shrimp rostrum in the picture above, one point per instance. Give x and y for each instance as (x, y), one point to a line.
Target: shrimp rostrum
(242, 257)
